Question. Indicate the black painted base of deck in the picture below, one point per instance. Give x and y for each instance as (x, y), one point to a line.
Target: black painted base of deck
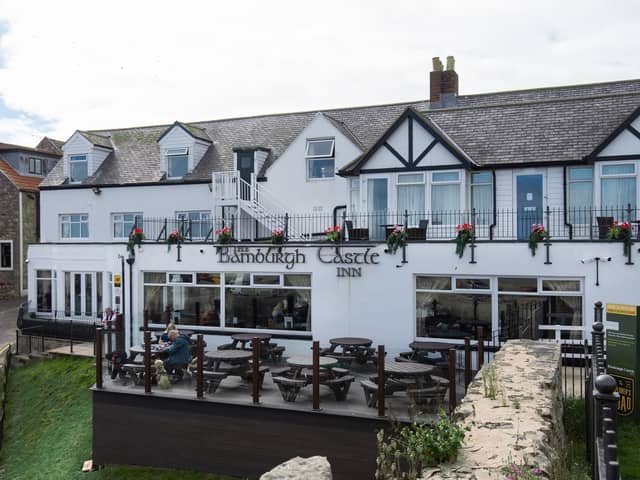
(243, 440)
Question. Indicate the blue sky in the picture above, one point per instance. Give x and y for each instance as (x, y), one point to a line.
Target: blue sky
(74, 65)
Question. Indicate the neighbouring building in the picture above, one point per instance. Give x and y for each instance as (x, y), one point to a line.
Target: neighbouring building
(22, 169)
(566, 158)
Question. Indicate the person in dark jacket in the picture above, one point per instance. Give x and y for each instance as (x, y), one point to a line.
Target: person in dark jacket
(177, 355)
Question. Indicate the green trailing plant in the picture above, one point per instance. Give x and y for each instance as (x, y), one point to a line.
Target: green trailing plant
(463, 237)
(621, 232)
(407, 449)
(490, 382)
(277, 236)
(224, 235)
(174, 238)
(333, 233)
(135, 238)
(538, 234)
(396, 239)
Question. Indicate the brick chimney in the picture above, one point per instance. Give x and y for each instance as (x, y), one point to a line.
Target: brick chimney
(443, 85)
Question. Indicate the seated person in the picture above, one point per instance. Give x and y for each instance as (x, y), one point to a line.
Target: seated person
(210, 317)
(277, 314)
(178, 354)
(109, 317)
(170, 328)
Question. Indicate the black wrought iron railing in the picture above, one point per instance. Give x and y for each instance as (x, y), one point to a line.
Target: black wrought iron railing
(590, 224)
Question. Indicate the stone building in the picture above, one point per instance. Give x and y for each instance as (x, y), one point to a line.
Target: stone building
(21, 171)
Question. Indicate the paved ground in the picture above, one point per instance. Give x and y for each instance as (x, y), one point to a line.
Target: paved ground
(8, 315)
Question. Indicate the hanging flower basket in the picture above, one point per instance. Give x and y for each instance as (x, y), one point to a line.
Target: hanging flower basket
(277, 236)
(464, 236)
(135, 238)
(622, 233)
(174, 238)
(538, 233)
(333, 233)
(223, 235)
(396, 239)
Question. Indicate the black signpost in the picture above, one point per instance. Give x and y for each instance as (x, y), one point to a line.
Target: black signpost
(623, 356)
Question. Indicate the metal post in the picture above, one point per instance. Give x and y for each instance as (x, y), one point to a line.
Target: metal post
(316, 375)
(17, 341)
(286, 226)
(98, 349)
(255, 374)
(473, 236)
(606, 399)
(145, 319)
(109, 340)
(467, 362)
(452, 380)
(119, 332)
(547, 243)
(629, 262)
(381, 382)
(70, 337)
(200, 366)
(480, 347)
(147, 361)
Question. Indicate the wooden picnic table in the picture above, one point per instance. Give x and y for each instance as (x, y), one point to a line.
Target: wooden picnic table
(238, 359)
(306, 361)
(431, 346)
(357, 347)
(419, 372)
(139, 350)
(244, 338)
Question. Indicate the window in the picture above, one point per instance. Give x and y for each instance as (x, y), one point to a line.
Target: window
(354, 194)
(123, 223)
(78, 168)
(618, 186)
(482, 197)
(74, 226)
(320, 158)
(411, 196)
(6, 255)
(200, 223)
(177, 162)
(35, 166)
(445, 197)
(43, 291)
(580, 194)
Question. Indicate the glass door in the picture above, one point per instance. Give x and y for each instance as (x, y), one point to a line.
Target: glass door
(377, 201)
(83, 294)
(529, 203)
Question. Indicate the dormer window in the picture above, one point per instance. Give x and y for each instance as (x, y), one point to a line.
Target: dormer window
(320, 158)
(35, 166)
(177, 162)
(78, 168)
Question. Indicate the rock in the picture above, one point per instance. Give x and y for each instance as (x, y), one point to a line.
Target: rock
(298, 468)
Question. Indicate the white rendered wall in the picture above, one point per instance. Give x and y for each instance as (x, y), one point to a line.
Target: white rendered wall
(287, 177)
(380, 304)
(151, 201)
(626, 143)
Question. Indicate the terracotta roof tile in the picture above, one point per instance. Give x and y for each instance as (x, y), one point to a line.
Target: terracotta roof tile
(21, 182)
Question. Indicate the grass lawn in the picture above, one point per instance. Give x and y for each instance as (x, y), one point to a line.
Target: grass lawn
(629, 446)
(47, 432)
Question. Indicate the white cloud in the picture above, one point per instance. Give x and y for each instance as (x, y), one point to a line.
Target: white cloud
(132, 63)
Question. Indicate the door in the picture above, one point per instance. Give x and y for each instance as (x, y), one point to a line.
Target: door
(83, 296)
(245, 167)
(529, 203)
(377, 201)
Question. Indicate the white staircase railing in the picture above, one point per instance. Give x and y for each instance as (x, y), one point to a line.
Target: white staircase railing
(254, 199)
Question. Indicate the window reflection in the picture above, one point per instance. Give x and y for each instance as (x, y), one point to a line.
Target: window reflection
(452, 315)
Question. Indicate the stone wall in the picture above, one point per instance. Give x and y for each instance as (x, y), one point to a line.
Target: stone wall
(29, 230)
(9, 231)
(523, 424)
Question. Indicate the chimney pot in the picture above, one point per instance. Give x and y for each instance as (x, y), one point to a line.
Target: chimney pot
(437, 64)
(450, 63)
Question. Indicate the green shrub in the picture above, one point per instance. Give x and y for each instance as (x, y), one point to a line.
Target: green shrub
(407, 449)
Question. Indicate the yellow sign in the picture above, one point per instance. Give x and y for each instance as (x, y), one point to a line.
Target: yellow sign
(626, 388)
(116, 280)
(630, 310)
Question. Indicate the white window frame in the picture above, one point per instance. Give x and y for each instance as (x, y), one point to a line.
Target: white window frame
(66, 218)
(176, 152)
(603, 175)
(10, 243)
(37, 162)
(122, 214)
(200, 221)
(570, 207)
(433, 183)
(480, 220)
(310, 158)
(80, 158)
(354, 189)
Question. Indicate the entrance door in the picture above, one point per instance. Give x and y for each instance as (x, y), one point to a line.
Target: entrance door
(529, 203)
(245, 167)
(83, 294)
(377, 201)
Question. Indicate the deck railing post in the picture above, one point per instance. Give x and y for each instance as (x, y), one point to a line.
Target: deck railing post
(381, 381)
(145, 319)
(606, 399)
(472, 247)
(467, 362)
(119, 333)
(629, 262)
(316, 375)
(200, 366)
(480, 347)
(70, 336)
(147, 361)
(547, 242)
(255, 373)
(98, 350)
(452, 380)
(17, 341)
(286, 226)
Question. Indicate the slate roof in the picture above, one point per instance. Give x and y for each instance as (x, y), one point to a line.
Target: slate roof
(10, 147)
(195, 132)
(560, 124)
(50, 145)
(97, 139)
(21, 182)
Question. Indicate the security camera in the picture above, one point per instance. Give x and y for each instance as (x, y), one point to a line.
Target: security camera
(593, 259)
(588, 260)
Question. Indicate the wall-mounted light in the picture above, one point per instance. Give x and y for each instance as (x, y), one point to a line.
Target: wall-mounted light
(96, 190)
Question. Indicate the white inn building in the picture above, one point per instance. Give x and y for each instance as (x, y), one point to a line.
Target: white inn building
(566, 157)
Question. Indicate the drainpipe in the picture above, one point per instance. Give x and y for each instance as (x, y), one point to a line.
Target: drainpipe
(335, 212)
(131, 259)
(21, 241)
